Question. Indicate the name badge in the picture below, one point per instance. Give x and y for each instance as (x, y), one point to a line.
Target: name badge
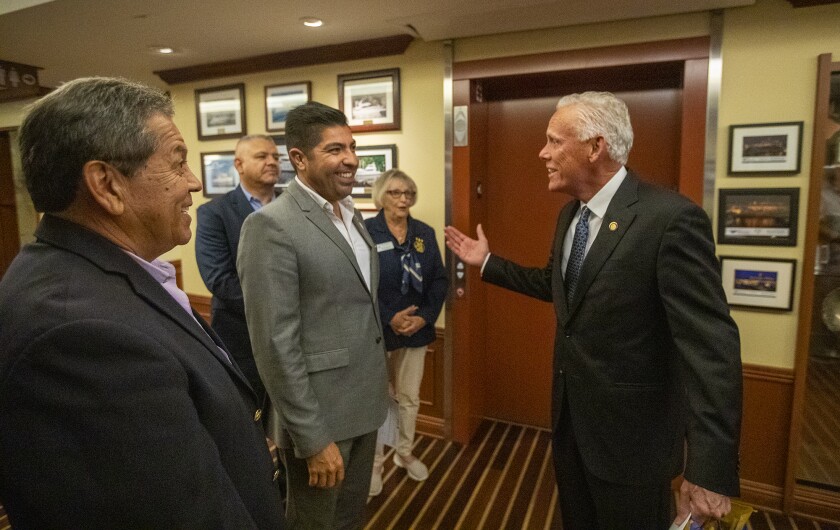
(382, 247)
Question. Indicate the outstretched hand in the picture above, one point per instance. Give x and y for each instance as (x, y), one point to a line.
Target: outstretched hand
(470, 251)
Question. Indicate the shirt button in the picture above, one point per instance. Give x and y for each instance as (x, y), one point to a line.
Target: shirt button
(276, 475)
(378, 340)
(258, 415)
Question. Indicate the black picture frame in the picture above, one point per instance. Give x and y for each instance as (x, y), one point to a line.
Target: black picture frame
(765, 148)
(758, 216)
(758, 283)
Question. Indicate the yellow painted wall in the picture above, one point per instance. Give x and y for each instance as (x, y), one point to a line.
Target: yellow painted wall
(420, 142)
(769, 75)
(769, 71)
(11, 113)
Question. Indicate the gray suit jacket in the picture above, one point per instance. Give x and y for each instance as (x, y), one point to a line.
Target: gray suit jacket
(314, 324)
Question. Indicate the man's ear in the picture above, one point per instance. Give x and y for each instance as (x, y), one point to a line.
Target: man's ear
(237, 163)
(597, 147)
(298, 158)
(106, 186)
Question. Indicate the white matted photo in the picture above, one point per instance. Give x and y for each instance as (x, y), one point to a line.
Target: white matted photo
(221, 112)
(758, 282)
(218, 173)
(765, 148)
(373, 161)
(280, 99)
(371, 100)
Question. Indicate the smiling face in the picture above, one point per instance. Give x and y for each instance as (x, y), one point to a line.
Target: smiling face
(258, 164)
(568, 159)
(330, 168)
(158, 198)
(398, 198)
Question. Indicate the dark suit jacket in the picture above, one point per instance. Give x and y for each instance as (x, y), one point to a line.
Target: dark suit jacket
(116, 409)
(391, 300)
(646, 353)
(216, 244)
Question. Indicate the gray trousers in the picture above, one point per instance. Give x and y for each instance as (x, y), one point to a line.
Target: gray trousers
(341, 507)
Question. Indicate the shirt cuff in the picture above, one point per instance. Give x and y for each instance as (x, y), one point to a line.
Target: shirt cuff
(487, 257)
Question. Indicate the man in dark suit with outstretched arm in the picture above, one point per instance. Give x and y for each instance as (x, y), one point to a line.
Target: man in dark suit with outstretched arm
(647, 369)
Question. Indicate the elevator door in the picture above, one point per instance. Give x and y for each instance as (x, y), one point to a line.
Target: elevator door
(520, 222)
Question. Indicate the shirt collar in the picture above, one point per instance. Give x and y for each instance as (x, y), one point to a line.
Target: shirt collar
(346, 202)
(161, 271)
(600, 201)
(253, 201)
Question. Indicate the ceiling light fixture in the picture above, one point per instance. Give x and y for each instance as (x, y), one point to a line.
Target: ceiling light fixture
(163, 50)
(312, 22)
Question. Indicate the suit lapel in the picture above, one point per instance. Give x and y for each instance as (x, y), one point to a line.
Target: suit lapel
(239, 203)
(109, 258)
(617, 221)
(320, 219)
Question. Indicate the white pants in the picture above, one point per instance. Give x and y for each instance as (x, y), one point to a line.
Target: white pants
(406, 370)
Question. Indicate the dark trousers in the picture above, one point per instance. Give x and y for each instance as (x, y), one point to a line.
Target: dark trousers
(341, 507)
(590, 503)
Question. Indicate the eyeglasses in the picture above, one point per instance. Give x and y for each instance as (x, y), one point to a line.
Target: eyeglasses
(396, 194)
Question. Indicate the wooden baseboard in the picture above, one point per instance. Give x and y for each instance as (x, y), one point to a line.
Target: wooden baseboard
(817, 504)
(764, 496)
(430, 426)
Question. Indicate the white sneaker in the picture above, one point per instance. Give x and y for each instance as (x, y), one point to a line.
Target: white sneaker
(416, 469)
(375, 481)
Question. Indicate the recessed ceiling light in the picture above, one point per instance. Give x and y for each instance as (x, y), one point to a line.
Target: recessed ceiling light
(312, 22)
(163, 50)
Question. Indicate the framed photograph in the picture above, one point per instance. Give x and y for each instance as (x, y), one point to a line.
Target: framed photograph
(758, 283)
(287, 171)
(758, 216)
(373, 161)
(218, 174)
(221, 112)
(280, 99)
(765, 148)
(371, 100)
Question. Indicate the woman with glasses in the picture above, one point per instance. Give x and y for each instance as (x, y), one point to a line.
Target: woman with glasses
(412, 287)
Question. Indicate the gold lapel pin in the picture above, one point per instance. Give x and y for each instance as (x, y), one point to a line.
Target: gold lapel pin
(613, 226)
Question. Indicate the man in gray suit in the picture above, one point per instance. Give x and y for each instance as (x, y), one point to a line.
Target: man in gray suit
(309, 276)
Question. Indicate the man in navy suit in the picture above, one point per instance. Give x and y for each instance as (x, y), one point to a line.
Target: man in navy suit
(217, 241)
(647, 367)
(119, 406)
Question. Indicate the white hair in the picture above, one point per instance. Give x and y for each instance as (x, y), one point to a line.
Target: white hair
(603, 114)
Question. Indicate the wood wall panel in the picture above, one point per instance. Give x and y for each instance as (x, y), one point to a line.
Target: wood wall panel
(768, 401)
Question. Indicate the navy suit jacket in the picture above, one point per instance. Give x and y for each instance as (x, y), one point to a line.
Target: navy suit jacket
(391, 300)
(216, 245)
(645, 353)
(116, 409)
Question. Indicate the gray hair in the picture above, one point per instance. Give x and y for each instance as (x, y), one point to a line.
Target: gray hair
(252, 137)
(381, 185)
(93, 118)
(603, 114)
